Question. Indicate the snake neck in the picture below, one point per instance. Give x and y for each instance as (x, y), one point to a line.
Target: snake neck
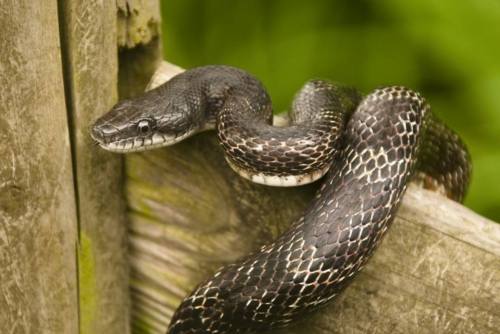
(237, 104)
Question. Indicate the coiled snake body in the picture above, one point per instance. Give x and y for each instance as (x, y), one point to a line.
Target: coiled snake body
(369, 148)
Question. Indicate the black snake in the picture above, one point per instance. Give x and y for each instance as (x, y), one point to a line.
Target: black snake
(371, 148)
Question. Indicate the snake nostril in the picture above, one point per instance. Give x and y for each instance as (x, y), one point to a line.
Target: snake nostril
(97, 134)
(103, 132)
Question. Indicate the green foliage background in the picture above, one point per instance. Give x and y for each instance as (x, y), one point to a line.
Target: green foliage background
(448, 50)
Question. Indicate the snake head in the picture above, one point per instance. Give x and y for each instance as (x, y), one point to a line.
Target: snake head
(155, 119)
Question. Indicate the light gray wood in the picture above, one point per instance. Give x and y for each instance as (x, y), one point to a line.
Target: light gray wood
(38, 225)
(89, 33)
(437, 271)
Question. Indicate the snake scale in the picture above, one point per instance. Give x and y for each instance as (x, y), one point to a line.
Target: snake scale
(369, 148)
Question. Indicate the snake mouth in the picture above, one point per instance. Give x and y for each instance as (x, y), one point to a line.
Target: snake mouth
(137, 144)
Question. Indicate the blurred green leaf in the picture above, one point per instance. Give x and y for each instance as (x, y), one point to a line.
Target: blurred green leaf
(448, 50)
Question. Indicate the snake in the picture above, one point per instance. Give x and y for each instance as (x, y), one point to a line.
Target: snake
(365, 150)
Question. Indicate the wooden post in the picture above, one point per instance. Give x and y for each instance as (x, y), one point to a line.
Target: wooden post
(435, 272)
(38, 223)
(63, 248)
(89, 34)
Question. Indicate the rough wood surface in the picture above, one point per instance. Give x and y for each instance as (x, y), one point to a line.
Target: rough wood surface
(437, 271)
(89, 33)
(138, 22)
(38, 225)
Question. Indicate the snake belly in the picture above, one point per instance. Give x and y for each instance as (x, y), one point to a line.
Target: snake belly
(369, 151)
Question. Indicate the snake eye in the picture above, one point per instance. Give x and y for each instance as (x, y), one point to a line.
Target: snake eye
(144, 126)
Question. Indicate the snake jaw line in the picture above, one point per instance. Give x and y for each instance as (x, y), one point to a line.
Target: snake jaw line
(141, 144)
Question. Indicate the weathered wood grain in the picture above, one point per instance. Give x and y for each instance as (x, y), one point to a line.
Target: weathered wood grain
(138, 22)
(437, 271)
(89, 33)
(38, 224)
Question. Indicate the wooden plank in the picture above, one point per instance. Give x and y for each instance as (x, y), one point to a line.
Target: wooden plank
(436, 271)
(38, 225)
(91, 66)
